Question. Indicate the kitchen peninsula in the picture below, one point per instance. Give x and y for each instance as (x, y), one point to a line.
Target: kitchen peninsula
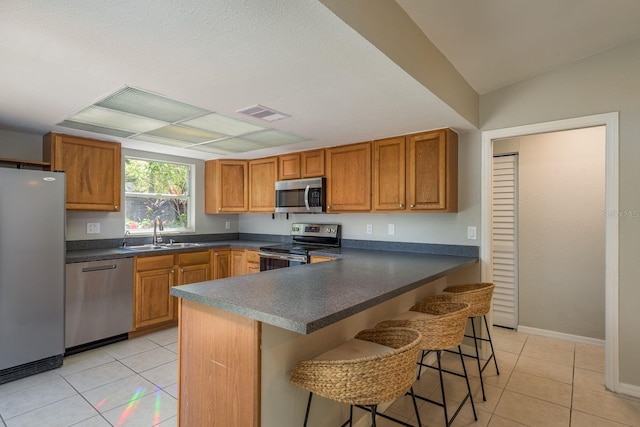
(239, 337)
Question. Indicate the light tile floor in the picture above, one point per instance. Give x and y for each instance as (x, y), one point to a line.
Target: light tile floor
(542, 382)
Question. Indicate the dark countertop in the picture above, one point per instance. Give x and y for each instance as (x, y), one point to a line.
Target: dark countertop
(310, 297)
(85, 255)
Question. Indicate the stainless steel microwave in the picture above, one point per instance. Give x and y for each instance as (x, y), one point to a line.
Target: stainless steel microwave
(301, 195)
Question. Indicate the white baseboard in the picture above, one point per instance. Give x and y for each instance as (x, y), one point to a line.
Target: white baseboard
(630, 389)
(561, 336)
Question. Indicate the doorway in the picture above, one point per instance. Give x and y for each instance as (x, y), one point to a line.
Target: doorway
(610, 121)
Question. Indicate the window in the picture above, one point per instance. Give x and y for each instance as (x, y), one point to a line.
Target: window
(157, 189)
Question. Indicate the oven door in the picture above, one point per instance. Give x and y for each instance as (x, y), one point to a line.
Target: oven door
(272, 261)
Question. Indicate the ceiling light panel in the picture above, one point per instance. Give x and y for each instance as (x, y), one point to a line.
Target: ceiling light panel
(96, 129)
(237, 145)
(147, 104)
(104, 117)
(274, 138)
(222, 124)
(186, 134)
(163, 141)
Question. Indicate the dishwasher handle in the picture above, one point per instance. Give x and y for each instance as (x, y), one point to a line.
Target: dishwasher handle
(99, 268)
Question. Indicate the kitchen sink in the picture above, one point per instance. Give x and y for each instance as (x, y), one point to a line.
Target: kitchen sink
(152, 247)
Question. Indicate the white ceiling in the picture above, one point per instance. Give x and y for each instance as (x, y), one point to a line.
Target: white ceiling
(295, 56)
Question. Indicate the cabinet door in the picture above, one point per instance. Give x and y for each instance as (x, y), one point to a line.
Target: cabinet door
(349, 178)
(92, 170)
(221, 262)
(253, 261)
(153, 303)
(389, 177)
(432, 179)
(312, 164)
(226, 186)
(289, 166)
(263, 174)
(238, 262)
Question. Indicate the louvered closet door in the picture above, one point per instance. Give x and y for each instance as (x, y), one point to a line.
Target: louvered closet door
(505, 240)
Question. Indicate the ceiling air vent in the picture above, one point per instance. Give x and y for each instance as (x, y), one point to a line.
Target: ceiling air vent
(263, 113)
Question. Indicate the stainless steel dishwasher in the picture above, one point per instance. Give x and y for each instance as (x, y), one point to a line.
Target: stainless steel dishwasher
(99, 303)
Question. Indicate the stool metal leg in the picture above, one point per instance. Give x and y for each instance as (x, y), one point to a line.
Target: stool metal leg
(306, 415)
(493, 354)
(477, 357)
(466, 378)
(444, 399)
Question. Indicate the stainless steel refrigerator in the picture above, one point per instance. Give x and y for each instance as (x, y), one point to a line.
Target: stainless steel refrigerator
(32, 271)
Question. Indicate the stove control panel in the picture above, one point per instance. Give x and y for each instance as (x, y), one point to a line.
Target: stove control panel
(316, 230)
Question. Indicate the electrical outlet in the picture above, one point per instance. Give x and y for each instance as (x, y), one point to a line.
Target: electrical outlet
(471, 233)
(93, 228)
(369, 228)
(391, 229)
(227, 225)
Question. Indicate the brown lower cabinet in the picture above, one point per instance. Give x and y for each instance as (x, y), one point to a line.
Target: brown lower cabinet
(153, 278)
(154, 275)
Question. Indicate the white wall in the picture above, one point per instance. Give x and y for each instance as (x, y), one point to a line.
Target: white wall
(598, 84)
(561, 230)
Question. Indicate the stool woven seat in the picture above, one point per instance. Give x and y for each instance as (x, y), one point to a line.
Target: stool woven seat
(442, 326)
(479, 296)
(378, 366)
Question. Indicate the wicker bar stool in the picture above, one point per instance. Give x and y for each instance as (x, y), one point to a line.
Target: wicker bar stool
(442, 326)
(479, 295)
(375, 367)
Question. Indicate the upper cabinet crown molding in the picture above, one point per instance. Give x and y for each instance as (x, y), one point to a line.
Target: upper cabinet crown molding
(92, 167)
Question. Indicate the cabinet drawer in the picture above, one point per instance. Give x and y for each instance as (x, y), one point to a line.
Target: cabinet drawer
(253, 256)
(193, 258)
(154, 262)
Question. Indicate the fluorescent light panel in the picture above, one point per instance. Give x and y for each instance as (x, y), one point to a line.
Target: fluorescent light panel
(145, 116)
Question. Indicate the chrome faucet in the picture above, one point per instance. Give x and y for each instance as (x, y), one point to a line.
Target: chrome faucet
(157, 226)
(124, 239)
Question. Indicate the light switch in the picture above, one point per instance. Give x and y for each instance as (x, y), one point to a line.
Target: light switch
(227, 225)
(471, 233)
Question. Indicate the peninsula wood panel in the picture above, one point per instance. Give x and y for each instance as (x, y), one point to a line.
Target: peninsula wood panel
(389, 175)
(219, 367)
(263, 174)
(349, 178)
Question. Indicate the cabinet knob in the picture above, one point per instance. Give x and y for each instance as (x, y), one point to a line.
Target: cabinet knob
(172, 271)
(329, 207)
(401, 205)
(182, 270)
(219, 209)
(115, 208)
(413, 206)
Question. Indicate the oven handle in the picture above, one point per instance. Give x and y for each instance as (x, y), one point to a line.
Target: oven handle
(306, 197)
(300, 258)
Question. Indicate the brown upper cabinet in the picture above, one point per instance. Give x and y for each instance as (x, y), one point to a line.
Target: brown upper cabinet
(389, 176)
(432, 171)
(92, 167)
(306, 164)
(312, 163)
(348, 170)
(289, 166)
(225, 186)
(263, 174)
